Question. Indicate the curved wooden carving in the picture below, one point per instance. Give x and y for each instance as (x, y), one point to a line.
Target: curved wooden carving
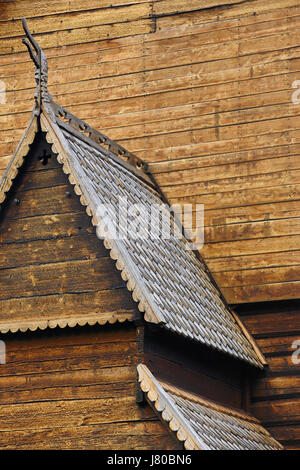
(42, 97)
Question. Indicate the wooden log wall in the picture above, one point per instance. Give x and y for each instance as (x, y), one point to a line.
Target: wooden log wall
(52, 263)
(200, 89)
(75, 388)
(276, 394)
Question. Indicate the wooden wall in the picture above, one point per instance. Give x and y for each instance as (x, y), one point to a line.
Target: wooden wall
(69, 388)
(52, 263)
(196, 368)
(75, 388)
(202, 90)
(276, 394)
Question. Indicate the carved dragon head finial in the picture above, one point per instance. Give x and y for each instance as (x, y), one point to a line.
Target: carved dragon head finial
(41, 67)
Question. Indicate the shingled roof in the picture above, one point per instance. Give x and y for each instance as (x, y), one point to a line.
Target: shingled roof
(170, 283)
(201, 424)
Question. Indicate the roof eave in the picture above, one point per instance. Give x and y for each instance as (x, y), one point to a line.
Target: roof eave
(17, 160)
(129, 274)
(157, 395)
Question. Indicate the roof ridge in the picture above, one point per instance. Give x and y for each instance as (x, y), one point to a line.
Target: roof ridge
(166, 407)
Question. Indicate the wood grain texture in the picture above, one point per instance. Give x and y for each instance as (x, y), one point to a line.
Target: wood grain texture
(177, 361)
(200, 90)
(75, 389)
(275, 394)
(54, 269)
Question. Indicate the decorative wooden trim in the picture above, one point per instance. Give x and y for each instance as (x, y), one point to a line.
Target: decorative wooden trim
(135, 284)
(5, 185)
(93, 319)
(129, 273)
(18, 157)
(51, 117)
(167, 410)
(140, 347)
(60, 115)
(39, 59)
(96, 139)
(157, 395)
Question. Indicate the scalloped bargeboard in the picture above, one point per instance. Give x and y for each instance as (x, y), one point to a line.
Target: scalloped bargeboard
(56, 272)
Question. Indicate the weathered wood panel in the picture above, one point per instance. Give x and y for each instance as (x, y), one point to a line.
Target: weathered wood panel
(53, 266)
(194, 367)
(275, 394)
(75, 389)
(203, 91)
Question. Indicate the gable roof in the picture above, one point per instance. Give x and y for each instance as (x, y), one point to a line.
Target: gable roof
(169, 282)
(201, 424)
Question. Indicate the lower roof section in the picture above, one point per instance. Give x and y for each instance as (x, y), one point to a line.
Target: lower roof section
(201, 424)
